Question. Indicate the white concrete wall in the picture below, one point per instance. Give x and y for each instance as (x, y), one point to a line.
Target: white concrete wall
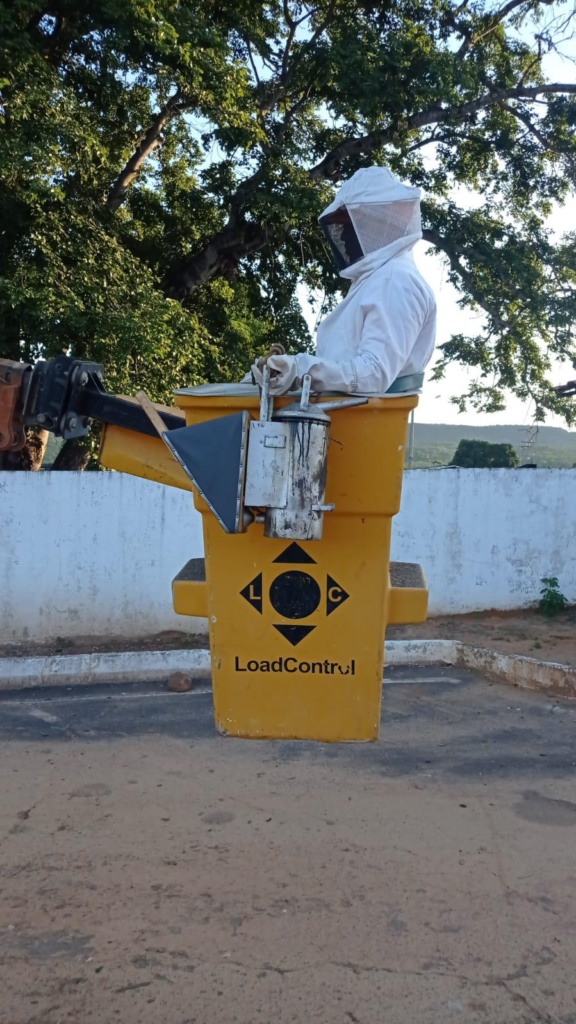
(92, 553)
(95, 553)
(486, 537)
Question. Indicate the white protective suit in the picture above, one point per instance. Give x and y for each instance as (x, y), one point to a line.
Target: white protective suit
(385, 326)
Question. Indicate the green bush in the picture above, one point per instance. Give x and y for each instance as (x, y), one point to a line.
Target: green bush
(552, 600)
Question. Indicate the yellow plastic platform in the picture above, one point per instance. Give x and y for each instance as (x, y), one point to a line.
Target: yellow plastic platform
(297, 628)
(311, 668)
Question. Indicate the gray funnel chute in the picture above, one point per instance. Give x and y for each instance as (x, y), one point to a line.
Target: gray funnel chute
(213, 454)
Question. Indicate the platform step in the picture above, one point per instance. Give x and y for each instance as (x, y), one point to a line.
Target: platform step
(195, 570)
(408, 601)
(190, 590)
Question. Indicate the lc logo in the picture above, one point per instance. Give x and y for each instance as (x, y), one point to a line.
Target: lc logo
(295, 594)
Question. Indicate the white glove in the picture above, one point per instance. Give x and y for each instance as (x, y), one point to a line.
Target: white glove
(283, 374)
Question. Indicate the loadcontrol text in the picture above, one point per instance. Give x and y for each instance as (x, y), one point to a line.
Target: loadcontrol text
(290, 664)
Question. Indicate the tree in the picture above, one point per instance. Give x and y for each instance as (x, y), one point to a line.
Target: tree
(484, 455)
(164, 163)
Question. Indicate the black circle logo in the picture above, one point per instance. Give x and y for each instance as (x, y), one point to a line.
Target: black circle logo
(295, 594)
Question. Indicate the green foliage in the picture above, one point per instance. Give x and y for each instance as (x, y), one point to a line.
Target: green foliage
(79, 91)
(484, 455)
(552, 600)
(163, 164)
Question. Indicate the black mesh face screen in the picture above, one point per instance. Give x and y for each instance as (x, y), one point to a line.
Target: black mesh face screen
(342, 238)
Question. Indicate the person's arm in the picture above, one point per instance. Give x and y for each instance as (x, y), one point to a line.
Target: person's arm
(392, 323)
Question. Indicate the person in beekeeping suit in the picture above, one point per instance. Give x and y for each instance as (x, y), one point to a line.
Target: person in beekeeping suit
(382, 333)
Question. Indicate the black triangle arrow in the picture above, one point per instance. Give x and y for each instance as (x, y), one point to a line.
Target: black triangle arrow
(295, 555)
(335, 595)
(252, 592)
(294, 634)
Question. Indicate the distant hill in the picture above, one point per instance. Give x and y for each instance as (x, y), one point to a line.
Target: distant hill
(436, 443)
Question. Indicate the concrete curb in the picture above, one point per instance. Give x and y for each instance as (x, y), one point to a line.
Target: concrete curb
(150, 666)
(87, 669)
(420, 652)
(513, 669)
(517, 670)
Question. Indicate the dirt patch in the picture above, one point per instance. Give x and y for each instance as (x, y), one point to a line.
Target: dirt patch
(168, 640)
(526, 632)
(201, 879)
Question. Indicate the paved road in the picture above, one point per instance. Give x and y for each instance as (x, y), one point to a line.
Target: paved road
(154, 872)
(440, 722)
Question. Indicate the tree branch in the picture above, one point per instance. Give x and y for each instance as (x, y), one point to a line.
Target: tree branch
(433, 138)
(330, 165)
(223, 252)
(239, 238)
(453, 254)
(530, 126)
(292, 26)
(149, 143)
(533, 63)
(304, 97)
(491, 22)
(252, 62)
(323, 25)
(281, 89)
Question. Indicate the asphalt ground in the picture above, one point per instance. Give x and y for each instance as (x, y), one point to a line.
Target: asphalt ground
(442, 721)
(153, 871)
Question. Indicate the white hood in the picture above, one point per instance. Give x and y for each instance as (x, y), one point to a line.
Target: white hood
(385, 214)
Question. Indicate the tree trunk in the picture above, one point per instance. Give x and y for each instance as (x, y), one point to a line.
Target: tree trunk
(28, 458)
(73, 455)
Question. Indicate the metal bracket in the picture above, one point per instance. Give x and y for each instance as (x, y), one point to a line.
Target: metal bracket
(55, 392)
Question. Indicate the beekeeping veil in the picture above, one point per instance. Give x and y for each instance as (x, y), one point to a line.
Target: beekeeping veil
(373, 212)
